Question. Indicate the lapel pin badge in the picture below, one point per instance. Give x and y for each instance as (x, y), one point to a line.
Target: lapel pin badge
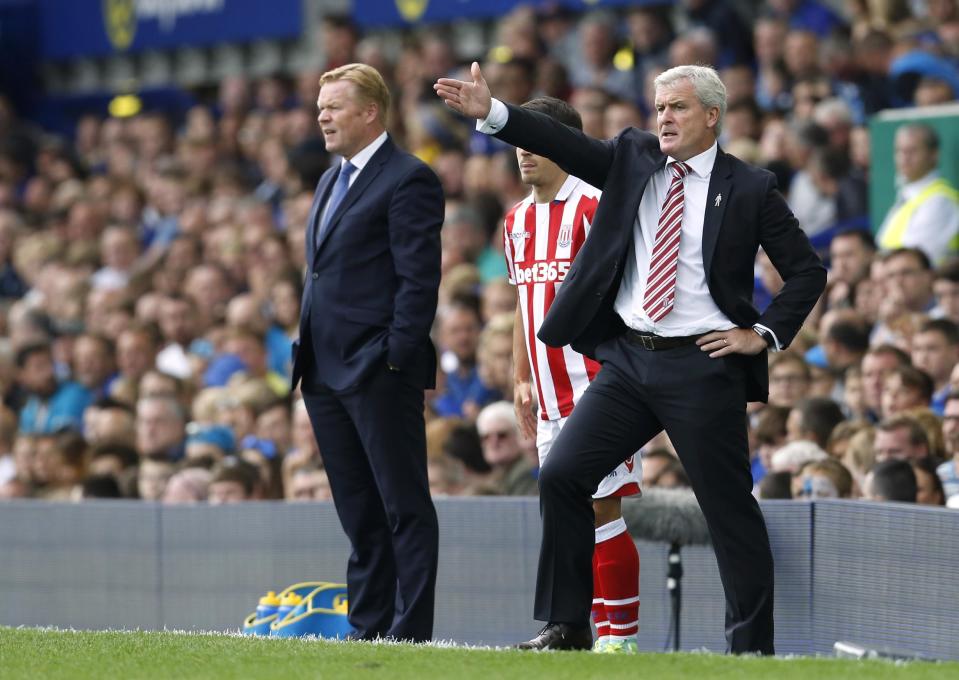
(719, 199)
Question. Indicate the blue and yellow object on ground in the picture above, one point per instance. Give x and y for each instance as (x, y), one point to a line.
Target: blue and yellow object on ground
(310, 608)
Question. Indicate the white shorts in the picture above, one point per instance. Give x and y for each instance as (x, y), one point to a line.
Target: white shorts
(623, 481)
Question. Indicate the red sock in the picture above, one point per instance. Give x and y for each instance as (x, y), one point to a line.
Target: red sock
(599, 610)
(617, 563)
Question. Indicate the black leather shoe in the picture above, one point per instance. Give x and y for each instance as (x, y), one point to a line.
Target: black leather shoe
(560, 636)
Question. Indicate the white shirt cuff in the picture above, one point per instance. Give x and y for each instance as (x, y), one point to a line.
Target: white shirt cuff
(776, 346)
(496, 120)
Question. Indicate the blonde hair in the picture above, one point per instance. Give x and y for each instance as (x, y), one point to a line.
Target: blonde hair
(370, 86)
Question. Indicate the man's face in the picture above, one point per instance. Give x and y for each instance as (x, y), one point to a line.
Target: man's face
(685, 128)
(950, 427)
(788, 383)
(135, 354)
(344, 119)
(224, 492)
(38, 375)
(932, 353)
(947, 298)
(874, 370)
(536, 171)
(850, 259)
(152, 479)
(913, 157)
(91, 363)
(158, 430)
(500, 443)
(898, 397)
(311, 486)
(906, 282)
(177, 321)
(895, 444)
(461, 331)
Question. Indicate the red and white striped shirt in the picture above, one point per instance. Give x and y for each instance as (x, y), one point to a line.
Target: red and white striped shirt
(541, 241)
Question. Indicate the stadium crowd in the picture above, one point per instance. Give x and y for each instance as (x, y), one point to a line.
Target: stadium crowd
(151, 266)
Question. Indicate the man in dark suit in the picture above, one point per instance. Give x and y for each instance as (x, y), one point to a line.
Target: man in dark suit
(661, 295)
(365, 356)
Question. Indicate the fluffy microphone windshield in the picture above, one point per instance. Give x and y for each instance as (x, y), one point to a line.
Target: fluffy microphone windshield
(667, 516)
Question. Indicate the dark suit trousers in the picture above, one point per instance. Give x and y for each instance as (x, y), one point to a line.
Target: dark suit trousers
(702, 406)
(373, 445)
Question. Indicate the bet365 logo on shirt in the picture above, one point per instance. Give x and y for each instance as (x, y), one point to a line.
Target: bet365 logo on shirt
(543, 272)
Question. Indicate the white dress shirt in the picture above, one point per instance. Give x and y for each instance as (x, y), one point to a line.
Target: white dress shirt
(694, 311)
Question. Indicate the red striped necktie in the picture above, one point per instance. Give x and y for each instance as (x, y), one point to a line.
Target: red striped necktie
(661, 281)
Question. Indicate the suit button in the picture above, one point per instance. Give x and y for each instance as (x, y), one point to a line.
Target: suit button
(315, 276)
(599, 293)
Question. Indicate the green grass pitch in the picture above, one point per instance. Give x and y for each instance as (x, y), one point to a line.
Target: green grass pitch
(37, 653)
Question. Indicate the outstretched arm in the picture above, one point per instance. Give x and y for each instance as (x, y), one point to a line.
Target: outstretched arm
(575, 152)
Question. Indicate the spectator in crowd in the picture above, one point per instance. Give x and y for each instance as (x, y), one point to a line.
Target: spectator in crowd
(891, 480)
(309, 483)
(153, 474)
(877, 363)
(178, 320)
(512, 473)
(160, 428)
(929, 489)
(59, 464)
(93, 363)
(948, 471)
(850, 254)
(827, 478)
(770, 434)
(945, 289)
(233, 481)
(50, 404)
(905, 388)
(465, 393)
(789, 379)
(187, 486)
(935, 351)
(900, 438)
(776, 486)
(813, 420)
(926, 212)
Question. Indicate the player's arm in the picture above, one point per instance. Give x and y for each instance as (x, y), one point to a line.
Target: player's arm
(522, 384)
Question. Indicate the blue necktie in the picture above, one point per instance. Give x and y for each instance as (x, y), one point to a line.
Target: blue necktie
(336, 197)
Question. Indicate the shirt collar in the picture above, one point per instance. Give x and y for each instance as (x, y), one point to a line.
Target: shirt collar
(912, 189)
(702, 164)
(567, 189)
(362, 157)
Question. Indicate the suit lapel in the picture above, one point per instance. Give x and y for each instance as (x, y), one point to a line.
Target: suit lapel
(717, 198)
(363, 180)
(319, 199)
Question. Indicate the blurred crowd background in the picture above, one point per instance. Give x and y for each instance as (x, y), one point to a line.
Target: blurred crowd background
(151, 265)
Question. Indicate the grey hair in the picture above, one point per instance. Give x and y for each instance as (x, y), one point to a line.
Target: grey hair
(498, 411)
(706, 83)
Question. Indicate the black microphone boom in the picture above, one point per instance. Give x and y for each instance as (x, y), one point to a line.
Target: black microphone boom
(666, 516)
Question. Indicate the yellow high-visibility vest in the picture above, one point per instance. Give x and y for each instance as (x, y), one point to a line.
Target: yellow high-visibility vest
(893, 236)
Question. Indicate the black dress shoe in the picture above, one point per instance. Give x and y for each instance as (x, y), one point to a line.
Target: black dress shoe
(560, 636)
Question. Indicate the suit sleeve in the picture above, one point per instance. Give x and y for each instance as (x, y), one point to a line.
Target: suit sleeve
(415, 219)
(803, 273)
(574, 151)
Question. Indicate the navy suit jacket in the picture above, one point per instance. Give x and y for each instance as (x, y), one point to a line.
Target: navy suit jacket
(371, 284)
(749, 213)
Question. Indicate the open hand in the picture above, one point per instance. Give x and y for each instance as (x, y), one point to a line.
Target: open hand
(472, 99)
